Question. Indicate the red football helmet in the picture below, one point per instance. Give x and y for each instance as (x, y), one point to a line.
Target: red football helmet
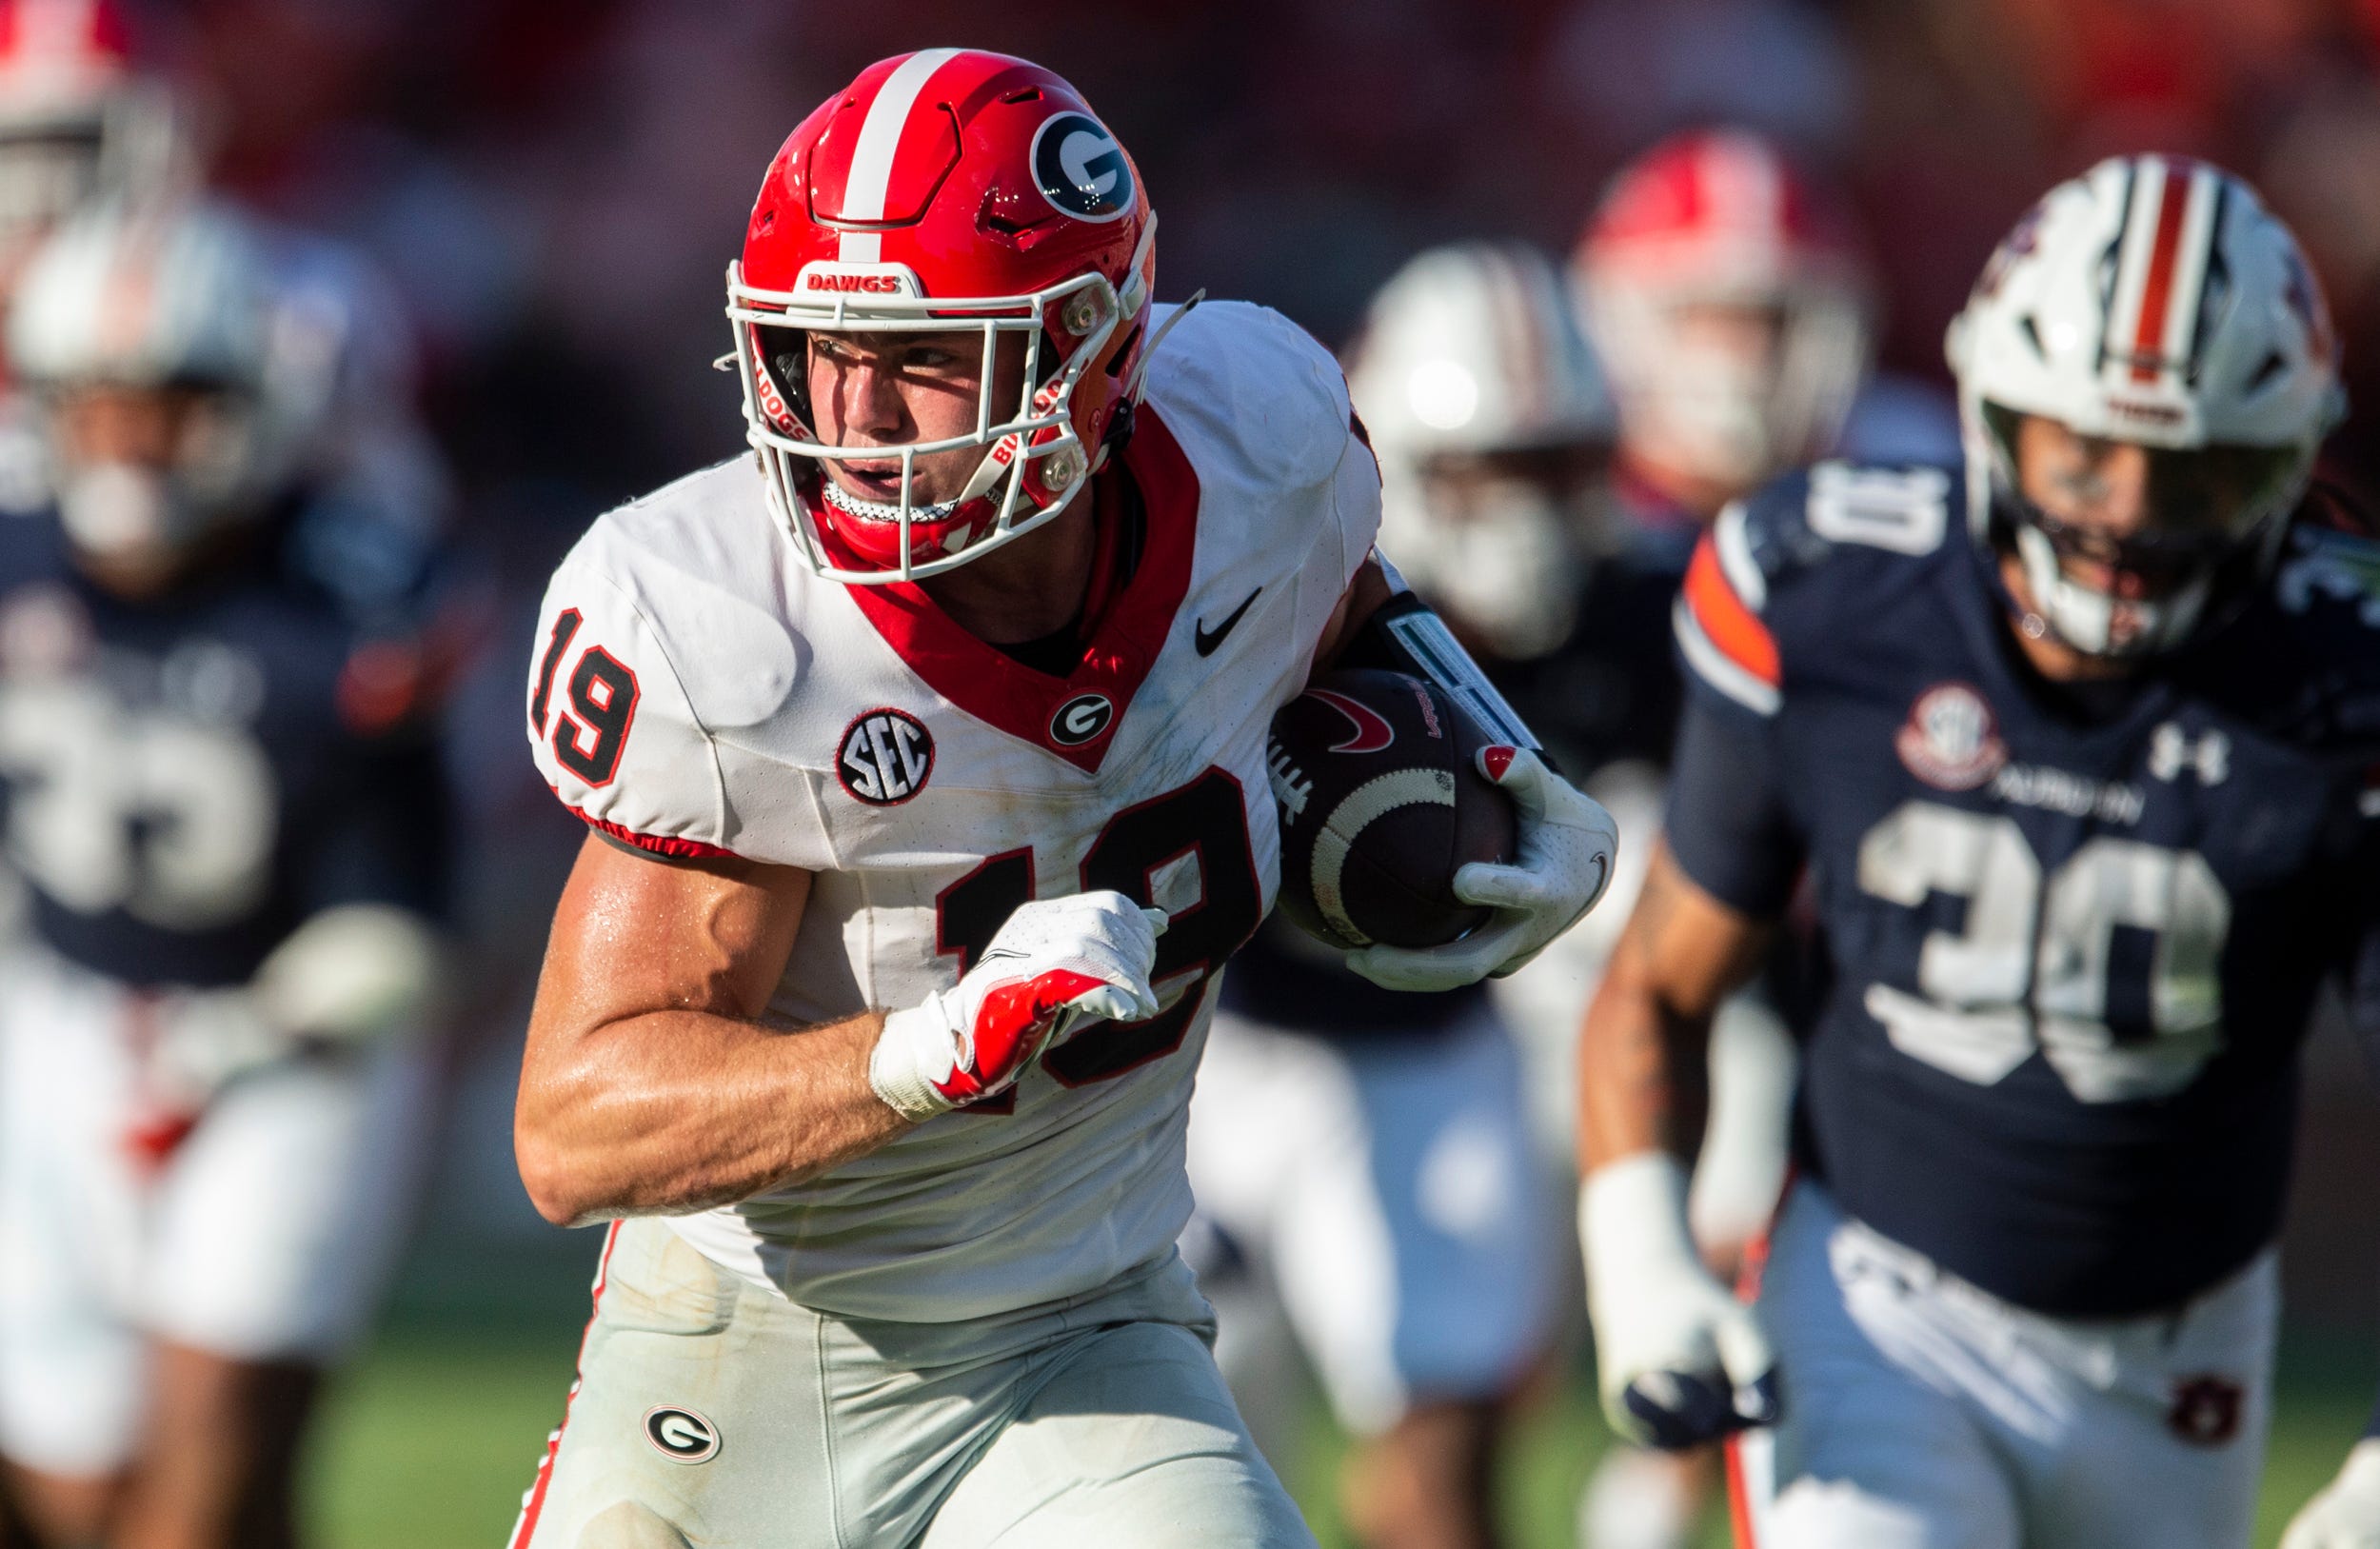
(1720, 219)
(948, 189)
(79, 117)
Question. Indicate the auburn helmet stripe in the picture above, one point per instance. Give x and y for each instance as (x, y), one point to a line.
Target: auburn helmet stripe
(878, 147)
(2162, 267)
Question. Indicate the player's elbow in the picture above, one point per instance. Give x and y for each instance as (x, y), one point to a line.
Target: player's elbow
(561, 1179)
(557, 1187)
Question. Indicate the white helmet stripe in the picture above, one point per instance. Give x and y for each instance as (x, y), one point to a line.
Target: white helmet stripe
(2192, 260)
(880, 140)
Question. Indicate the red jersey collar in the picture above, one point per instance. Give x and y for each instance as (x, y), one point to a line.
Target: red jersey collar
(1125, 626)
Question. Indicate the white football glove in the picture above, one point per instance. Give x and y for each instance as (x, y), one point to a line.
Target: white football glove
(2345, 1513)
(1056, 962)
(1680, 1361)
(1563, 859)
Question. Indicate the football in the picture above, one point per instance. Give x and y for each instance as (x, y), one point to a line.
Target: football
(1380, 803)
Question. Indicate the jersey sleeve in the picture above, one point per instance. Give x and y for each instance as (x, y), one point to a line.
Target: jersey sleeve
(1727, 825)
(1354, 527)
(1730, 654)
(610, 724)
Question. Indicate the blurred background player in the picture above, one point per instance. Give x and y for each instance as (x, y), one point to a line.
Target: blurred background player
(82, 117)
(1729, 291)
(2079, 766)
(1360, 1156)
(222, 797)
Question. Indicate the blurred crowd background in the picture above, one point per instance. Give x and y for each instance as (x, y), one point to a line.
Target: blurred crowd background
(556, 186)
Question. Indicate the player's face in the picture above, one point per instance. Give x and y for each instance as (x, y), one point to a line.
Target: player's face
(140, 478)
(884, 390)
(1480, 487)
(143, 428)
(2095, 488)
(1747, 333)
(2134, 522)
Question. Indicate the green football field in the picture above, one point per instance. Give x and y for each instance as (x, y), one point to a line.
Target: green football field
(431, 1438)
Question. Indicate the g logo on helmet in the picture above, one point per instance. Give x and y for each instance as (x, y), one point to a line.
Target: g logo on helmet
(1081, 169)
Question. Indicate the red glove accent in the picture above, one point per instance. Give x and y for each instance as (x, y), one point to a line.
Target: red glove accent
(1010, 1029)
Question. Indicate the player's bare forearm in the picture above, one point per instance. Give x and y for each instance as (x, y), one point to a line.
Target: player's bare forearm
(1643, 1053)
(650, 1084)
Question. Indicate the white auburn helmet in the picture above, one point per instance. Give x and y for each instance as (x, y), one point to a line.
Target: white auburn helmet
(2155, 301)
(1471, 356)
(1722, 217)
(175, 296)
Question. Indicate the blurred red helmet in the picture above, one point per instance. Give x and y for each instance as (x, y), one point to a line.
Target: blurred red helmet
(79, 116)
(1722, 219)
(945, 190)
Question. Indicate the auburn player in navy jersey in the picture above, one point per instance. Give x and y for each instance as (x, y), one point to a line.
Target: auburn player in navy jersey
(223, 807)
(2074, 748)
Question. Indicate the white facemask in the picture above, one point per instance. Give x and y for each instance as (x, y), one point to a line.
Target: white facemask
(115, 509)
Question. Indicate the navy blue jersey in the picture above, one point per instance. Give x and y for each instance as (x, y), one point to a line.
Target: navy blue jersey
(183, 780)
(2069, 941)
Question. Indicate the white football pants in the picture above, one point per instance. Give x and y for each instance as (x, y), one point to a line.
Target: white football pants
(266, 1235)
(710, 1410)
(1923, 1412)
(1382, 1196)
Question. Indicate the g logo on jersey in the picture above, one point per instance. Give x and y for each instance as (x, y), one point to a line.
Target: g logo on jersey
(1081, 720)
(680, 1435)
(886, 758)
(1081, 170)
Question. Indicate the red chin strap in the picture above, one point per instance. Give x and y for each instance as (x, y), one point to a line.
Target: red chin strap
(855, 542)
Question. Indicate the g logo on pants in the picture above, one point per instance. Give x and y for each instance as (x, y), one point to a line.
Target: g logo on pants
(680, 1435)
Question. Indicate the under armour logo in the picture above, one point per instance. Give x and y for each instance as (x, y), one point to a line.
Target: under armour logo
(2172, 750)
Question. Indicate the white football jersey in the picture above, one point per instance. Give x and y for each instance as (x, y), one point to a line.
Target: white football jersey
(698, 689)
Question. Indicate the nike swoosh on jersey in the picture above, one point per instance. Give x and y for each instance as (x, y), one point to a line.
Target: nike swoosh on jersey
(1206, 640)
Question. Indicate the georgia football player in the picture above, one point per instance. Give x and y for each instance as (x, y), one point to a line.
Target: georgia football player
(923, 753)
(225, 805)
(2076, 747)
(1728, 289)
(1360, 1159)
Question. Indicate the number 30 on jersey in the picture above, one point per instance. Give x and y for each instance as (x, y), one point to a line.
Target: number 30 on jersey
(2035, 963)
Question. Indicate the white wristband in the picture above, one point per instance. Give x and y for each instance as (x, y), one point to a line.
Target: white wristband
(1633, 1212)
(914, 1042)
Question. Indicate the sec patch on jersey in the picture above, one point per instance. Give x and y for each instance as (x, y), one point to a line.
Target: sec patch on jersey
(1380, 804)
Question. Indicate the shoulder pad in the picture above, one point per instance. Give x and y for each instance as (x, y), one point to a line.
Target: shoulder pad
(2328, 590)
(699, 561)
(1801, 519)
(1255, 386)
(1770, 543)
(646, 646)
(2323, 565)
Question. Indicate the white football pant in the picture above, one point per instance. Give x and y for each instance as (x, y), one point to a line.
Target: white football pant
(1923, 1412)
(1382, 1196)
(712, 1410)
(266, 1235)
